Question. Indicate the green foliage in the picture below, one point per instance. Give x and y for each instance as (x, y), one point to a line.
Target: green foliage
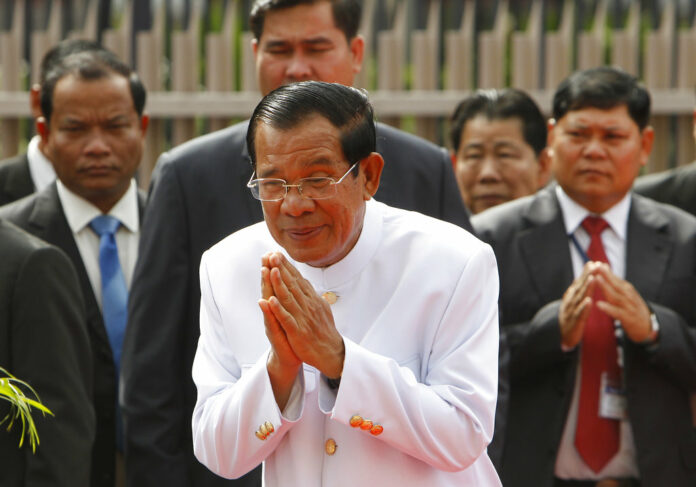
(20, 407)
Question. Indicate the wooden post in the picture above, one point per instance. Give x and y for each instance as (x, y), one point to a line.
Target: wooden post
(491, 60)
(89, 27)
(425, 49)
(12, 69)
(459, 51)
(559, 49)
(184, 65)
(686, 80)
(118, 40)
(367, 32)
(150, 47)
(391, 47)
(657, 68)
(219, 60)
(526, 46)
(591, 43)
(625, 42)
(42, 41)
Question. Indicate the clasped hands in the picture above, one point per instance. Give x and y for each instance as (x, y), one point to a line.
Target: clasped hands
(621, 302)
(299, 326)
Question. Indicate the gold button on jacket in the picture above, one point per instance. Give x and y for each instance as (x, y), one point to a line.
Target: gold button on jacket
(330, 446)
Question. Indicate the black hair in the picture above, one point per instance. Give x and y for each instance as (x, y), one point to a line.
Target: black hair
(604, 88)
(347, 108)
(346, 14)
(60, 51)
(90, 65)
(501, 105)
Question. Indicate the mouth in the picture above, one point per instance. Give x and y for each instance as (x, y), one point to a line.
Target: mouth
(490, 199)
(304, 233)
(97, 170)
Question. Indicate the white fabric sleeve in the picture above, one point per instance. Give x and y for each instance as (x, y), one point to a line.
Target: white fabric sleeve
(234, 401)
(446, 418)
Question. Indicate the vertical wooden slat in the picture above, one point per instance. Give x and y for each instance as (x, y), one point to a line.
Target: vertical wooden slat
(491, 60)
(459, 51)
(90, 24)
(367, 32)
(525, 47)
(118, 40)
(42, 41)
(219, 60)
(559, 49)
(391, 47)
(11, 64)
(657, 67)
(150, 47)
(686, 80)
(184, 64)
(248, 64)
(425, 49)
(591, 43)
(625, 42)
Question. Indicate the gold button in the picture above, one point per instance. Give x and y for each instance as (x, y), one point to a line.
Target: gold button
(330, 297)
(376, 430)
(330, 446)
(260, 435)
(366, 425)
(269, 427)
(356, 421)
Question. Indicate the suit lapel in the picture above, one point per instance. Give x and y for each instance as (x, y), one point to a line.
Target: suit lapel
(50, 224)
(544, 247)
(648, 240)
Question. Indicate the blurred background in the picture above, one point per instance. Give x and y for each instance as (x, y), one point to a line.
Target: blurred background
(423, 57)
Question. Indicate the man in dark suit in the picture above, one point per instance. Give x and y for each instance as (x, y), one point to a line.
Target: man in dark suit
(199, 195)
(44, 342)
(27, 173)
(676, 186)
(600, 322)
(93, 132)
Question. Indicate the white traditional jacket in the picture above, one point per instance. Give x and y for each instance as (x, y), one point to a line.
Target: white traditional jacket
(417, 306)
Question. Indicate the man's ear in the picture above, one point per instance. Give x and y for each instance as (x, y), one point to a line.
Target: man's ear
(647, 137)
(372, 170)
(357, 49)
(35, 100)
(144, 123)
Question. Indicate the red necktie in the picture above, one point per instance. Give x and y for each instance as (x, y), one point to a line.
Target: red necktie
(596, 438)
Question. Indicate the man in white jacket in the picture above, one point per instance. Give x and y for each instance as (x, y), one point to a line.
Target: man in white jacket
(369, 353)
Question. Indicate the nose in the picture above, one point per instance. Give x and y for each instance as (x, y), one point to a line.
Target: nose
(295, 205)
(594, 149)
(299, 68)
(97, 145)
(489, 170)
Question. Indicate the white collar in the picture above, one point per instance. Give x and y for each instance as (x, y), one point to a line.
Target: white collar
(352, 264)
(79, 212)
(40, 168)
(574, 214)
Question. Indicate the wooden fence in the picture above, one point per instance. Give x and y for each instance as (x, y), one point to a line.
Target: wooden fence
(423, 57)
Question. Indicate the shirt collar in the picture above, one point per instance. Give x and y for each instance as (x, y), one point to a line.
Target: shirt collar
(40, 168)
(352, 264)
(574, 214)
(79, 212)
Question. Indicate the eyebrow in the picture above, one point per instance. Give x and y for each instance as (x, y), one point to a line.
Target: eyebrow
(321, 161)
(272, 43)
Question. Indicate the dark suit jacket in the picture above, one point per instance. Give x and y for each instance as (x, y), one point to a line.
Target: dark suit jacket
(676, 187)
(42, 215)
(43, 341)
(531, 246)
(199, 196)
(15, 179)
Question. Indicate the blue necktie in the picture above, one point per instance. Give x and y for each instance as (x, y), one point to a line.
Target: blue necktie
(114, 296)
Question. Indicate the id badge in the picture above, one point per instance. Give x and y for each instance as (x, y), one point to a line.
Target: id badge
(612, 399)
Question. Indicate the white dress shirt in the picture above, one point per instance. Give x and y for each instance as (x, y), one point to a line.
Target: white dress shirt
(40, 168)
(569, 463)
(79, 212)
(417, 307)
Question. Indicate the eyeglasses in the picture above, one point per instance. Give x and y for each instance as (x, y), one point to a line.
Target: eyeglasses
(320, 188)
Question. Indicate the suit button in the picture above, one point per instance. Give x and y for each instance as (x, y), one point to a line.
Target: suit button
(330, 297)
(330, 446)
(376, 430)
(366, 425)
(356, 421)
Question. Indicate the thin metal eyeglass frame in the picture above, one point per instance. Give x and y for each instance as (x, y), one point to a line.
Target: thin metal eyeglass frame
(255, 182)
